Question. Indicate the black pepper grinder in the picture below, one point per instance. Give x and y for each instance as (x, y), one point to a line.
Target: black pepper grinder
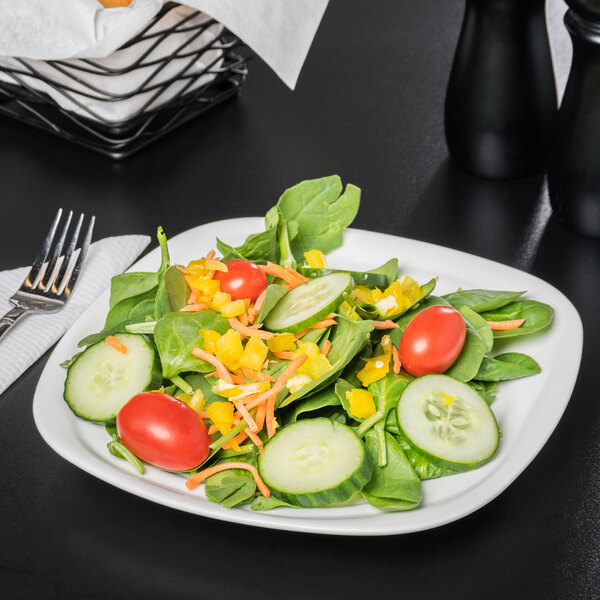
(501, 98)
(574, 165)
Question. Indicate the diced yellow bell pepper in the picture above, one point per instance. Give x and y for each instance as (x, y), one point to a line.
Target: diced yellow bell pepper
(363, 295)
(185, 398)
(255, 353)
(315, 259)
(211, 337)
(361, 403)
(220, 298)
(386, 344)
(233, 308)
(309, 348)
(221, 414)
(376, 368)
(208, 287)
(197, 401)
(316, 366)
(229, 349)
(410, 288)
(297, 382)
(348, 311)
(282, 342)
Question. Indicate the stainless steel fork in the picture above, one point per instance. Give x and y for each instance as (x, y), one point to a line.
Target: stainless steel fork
(52, 278)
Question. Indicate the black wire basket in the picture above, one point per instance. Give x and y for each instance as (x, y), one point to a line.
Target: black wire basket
(179, 70)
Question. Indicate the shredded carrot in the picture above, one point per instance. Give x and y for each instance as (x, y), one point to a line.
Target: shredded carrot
(222, 372)
(213, 374)
(385, 324)
(250, 331)
(180, 268)
(396, 360)
(255, 439)
(194, 295)
(256, 375)
(199, 477)
(277, 271)
(116, 344)
(243, 319)
(277, 387)
(284, 355)
(210, 255)
(318, 325)
(505, 325)
(246, 415)
(203, 415)
(194, 307)
(326, 348)
(296, 275)
(238, 378)
(259, 301)
(212, 429)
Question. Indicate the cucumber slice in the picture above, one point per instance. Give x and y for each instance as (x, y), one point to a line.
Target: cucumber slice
(315, 462)
(102, 379)
(308, 303)
(359, 277)
(448, 422)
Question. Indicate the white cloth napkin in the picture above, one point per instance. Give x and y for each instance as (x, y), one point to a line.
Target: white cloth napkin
(34, 333)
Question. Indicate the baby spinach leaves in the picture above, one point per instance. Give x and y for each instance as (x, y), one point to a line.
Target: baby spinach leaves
(395, 486)
(510, 365)
(233, 486)
(177, 333)
(274, 294)
(481, 300)
(536, 314)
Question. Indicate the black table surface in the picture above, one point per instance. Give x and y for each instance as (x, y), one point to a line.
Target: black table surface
(368, 106)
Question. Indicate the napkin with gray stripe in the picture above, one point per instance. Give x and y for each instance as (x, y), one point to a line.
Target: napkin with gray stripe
(36, 332)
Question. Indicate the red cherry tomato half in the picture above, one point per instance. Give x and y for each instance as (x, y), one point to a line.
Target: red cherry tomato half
(243, 279)
(432, 340)
(163, 431)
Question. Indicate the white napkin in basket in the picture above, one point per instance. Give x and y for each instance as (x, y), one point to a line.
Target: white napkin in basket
(36, 332)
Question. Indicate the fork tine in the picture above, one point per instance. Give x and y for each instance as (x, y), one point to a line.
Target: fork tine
(54, 285)
(70, 284)
(40, 259)
(44, 283)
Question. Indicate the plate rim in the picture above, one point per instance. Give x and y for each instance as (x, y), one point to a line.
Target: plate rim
(377, 524)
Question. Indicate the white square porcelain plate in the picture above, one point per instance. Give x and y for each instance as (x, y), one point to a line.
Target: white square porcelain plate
(527, 410)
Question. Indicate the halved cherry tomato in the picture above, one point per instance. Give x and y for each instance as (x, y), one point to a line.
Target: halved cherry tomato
(163, 431)
(432, 340)
(242, 280)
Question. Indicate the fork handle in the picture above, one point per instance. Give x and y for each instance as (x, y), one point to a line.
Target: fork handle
(10, 318)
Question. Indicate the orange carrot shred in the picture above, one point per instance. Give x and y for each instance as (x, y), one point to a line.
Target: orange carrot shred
(222, 372)
(243, 319)
(256, 375)
(296, 275)
(116, 344)
(212, 429)
(203, 415)
(277, 271)
(284, 355)
(194, 295)
(326, 347)
(238, 378)
(318, 325)
(180, 268)
(396, 360)
(505, 325)
(250, 331)
(259, 301)
(194, 307)
(199, 477)
(271, 395)
(210, 255)
(385, 324)
(246, 415)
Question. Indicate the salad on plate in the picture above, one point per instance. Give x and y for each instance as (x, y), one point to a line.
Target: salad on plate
(276, 379)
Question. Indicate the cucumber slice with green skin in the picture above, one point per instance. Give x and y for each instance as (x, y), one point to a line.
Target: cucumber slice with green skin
(448, 422)
(308, 303)
(102, 379)
(359, 277)
(314, 463)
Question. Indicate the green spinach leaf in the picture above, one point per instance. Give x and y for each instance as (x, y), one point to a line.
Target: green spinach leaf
(536, 314)
(395, 486)
(467, 364)
(481, 300)
(320, 212)
(480, 325)
(274, 294)
(326, 397)
(510, 365)
(177, 333)
(172, 294)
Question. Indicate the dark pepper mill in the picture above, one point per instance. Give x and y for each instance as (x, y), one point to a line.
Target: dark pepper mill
(574, 165)
(501, 98)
